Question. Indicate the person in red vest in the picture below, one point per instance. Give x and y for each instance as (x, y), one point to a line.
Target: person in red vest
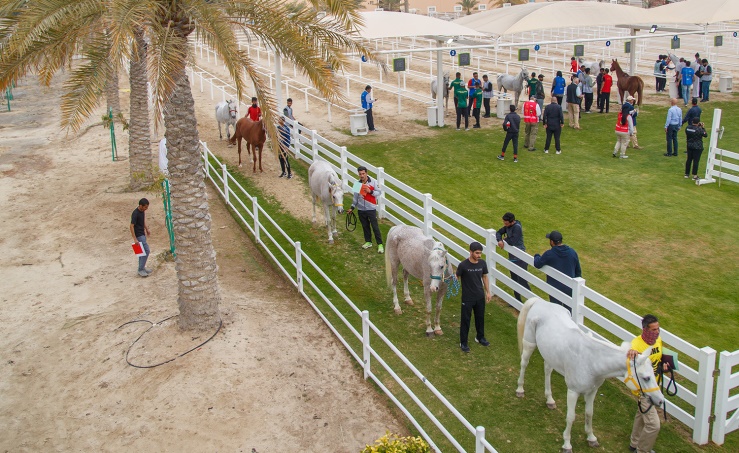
(254, 113)
(573, 65)
(605, 91)
(531, 115)
(624, 130)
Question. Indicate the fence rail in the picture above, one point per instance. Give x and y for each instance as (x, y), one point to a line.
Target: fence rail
(401, 203)
(296, 267)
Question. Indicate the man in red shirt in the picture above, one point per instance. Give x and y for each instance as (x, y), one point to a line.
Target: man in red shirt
(605, 91)
(573, 65)
(254, 113)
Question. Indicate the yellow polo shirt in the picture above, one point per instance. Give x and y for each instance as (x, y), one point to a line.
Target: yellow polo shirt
(655, 357)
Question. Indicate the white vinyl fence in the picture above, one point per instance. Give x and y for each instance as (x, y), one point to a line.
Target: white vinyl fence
(297, 267)
(721, 163)
(402, 204)
(725, 402)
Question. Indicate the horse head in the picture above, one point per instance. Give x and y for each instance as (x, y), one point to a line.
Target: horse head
(337, 195)
(640, 377)
(233, 110)
(437, 266)
(614, 65)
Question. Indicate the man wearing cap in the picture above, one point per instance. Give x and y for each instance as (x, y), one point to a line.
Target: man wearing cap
(540, 92)
(511, 235)
(472, 274)
(562, 258)
(511, 124)
(531, 115)
(487, 94)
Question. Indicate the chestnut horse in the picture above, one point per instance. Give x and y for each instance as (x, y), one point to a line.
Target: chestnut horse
(634, 85)
(254, 135)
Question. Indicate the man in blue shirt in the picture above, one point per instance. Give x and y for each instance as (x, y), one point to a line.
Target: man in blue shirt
(694, 112)
(687, 74)
(672, 126)
(367, 102)
(564, 259)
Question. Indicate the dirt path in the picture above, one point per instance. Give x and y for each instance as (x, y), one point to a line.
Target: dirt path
(273, 380)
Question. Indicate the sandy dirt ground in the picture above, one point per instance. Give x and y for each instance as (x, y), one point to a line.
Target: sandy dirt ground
(274, 379)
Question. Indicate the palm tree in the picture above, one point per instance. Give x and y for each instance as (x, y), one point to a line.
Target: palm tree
(499, 3)
(467, 5)
(46, 35)
(139, 143)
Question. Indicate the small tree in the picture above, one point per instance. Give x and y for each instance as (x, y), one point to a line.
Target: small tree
(467, 5)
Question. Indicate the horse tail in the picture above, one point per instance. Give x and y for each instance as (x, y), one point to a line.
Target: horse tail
(521, 325)
(388, 271)
(640, 90)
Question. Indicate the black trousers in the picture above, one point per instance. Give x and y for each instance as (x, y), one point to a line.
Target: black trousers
(478, 308)
(559, 98)
(509, 136)
(605, 101)
(369, 219)
(284, 162)
(694, 157)
(588, 101)
(671, 135)
(476, 115)
(598, 100)
(463, 111)
(556, 133)
(370, 119)
(564, 289)
(518, 279)
(486, 104)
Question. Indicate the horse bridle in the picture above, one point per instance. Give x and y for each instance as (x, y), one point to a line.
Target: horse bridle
(233, 110)
(637, 383)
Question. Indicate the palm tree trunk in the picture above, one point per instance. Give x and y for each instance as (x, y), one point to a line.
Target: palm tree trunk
(198, 290)
(139, 142)
(111, 94)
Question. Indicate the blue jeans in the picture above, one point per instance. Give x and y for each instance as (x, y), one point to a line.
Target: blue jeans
(672, 139)
(145, 246)
(687, 89)
(705, 85)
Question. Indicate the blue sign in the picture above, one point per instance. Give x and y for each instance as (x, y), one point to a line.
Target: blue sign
(675, 38)
(608, 43)
(537, 47)
(735, 34)
(452, 52)
(364, 59)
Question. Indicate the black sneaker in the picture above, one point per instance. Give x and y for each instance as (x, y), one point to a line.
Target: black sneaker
(501, 158)
(483, 342)
(290, 176)
(464, 347)
(282, 175)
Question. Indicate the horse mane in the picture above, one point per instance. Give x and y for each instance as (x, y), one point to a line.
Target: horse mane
(625, 346)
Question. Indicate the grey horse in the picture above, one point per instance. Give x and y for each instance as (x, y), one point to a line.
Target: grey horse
(593, 65)
(513, 83)
(423, 258)
(226, 112)
(326, 189)
(446, 90)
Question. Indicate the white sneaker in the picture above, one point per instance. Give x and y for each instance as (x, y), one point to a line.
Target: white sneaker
(624, 157)
(546, 151)
(559, 152)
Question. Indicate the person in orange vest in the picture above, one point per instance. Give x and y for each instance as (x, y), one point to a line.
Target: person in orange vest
(531, 114)
(624, 130)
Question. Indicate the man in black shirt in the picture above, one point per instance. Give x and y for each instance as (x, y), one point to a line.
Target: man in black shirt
(553, 120)
(511, 124)
(513, 238)
(139, 231)
(472, 273)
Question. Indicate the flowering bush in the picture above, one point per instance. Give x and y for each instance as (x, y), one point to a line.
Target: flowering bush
(392, 443)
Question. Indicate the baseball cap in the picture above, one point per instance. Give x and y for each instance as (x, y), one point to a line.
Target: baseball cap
(630, 97)
(541, 76)
(555, 236)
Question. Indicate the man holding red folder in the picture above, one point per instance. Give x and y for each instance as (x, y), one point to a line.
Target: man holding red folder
(139, 231)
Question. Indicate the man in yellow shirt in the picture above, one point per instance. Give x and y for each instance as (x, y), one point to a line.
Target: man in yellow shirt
(647, 424)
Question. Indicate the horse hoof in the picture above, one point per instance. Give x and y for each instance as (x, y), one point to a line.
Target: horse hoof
(438, 332)
(429, 334)
(552, 406)
(331, 242)
(239, 165)
(566, 450)
(593, 443)
(409, 301)
(519, 394)
(398, 311)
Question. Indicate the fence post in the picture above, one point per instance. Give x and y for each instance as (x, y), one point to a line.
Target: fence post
(704, 394)
(299, 267)
(381, 183)
(255, 214)
(314, 144)
(427, 210)
(225, 182)
(479, 437)
(490, 244)
(296, 141)
(205, 161)
(366, 343)
(329, 111)
(578, 300)
(722, 397)
(211, 90)
(344, 170)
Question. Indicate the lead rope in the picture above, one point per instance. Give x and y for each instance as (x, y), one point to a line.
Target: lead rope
(664, 390)
(641, 392)
(351, 221)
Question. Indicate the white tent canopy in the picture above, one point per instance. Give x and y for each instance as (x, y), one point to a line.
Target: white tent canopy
(541, 16)
(701, 12)
(386, 24)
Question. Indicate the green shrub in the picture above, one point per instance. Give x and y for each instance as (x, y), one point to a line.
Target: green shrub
(392, 443)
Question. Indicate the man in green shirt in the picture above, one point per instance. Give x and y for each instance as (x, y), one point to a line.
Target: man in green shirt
(454, 85)
(532, 84)
(460, 95)
(476, 103)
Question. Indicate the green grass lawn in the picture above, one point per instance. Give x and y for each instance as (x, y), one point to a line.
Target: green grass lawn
(647, 238)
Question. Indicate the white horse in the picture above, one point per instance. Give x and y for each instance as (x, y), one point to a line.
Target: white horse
(423, 258)
(446, 90)
(593, 65)
(585, 362)
(513, 83)
(326, 189)
(226, 112)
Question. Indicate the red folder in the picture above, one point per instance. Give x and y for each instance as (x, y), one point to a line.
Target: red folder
(138, 249)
